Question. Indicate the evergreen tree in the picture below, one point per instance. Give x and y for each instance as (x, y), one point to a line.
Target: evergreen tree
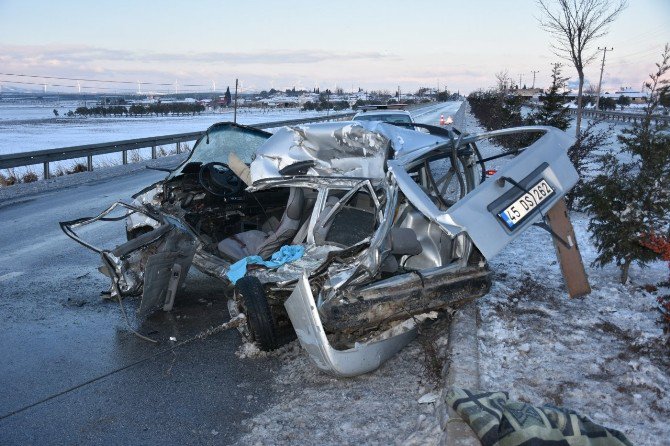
(590, 139)
(629, 201)
(552, 111)
(226, 97)
(495, 109)
(623, 101)
(607, 104)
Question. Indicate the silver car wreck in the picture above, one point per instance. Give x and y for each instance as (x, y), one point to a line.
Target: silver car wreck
(348, 233)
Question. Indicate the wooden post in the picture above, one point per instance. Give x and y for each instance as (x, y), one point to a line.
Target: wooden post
(46, 170)
(153, 152)
(124, 156)
(89, 163)
(570, 259)
(178, 148)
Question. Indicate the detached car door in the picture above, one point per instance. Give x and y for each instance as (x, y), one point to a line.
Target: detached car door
(499, 209)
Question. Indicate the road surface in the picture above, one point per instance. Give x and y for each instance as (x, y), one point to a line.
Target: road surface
(72, 372)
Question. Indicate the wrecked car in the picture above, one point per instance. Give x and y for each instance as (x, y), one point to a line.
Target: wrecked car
(347, 233)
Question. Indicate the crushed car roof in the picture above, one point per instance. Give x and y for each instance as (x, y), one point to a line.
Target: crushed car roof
(350, 149)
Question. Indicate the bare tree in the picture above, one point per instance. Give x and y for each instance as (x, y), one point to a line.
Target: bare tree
(575, 24)
(503, 81)
(591, 90)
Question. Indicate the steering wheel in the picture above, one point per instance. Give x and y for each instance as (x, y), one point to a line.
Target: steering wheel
(217, 179)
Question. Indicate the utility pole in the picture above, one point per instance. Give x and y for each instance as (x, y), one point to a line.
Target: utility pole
(235, 107)
(602, 68)
(520, 75)
(534, 73)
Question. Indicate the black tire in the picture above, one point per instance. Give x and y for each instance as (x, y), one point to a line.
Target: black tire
(261, 324)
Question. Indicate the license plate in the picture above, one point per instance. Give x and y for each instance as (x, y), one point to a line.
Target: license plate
(513, 214)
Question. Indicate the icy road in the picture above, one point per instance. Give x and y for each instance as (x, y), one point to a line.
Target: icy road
(71, 372)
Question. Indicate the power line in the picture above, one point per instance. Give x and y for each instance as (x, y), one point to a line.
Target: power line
(98, 80)
(55, 85)
(80, 87)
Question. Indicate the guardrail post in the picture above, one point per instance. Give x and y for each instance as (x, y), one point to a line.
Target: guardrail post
(153, 152)
(89, 163)
(125, 156)
(46, 170)
(178, 148)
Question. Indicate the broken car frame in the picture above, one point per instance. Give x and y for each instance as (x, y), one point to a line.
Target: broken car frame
(396, 224)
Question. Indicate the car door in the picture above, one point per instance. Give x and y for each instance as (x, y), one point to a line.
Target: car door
(499, 209)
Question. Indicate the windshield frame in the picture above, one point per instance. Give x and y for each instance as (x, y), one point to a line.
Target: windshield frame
(219, 126)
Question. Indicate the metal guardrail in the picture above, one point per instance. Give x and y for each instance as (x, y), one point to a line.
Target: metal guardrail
(87, 151)
(620, 116)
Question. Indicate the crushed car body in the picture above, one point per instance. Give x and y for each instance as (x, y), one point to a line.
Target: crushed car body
(348, 233)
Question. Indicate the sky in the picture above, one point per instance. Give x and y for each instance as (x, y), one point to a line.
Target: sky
(367, 44)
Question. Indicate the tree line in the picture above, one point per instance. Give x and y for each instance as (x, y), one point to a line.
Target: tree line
(157, 109)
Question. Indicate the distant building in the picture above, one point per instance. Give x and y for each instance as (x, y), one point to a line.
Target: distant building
(111, 100)
(527, 92)
(636, 97)
(221, 101)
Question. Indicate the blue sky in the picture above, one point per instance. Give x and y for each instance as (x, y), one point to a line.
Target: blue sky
(281, 44)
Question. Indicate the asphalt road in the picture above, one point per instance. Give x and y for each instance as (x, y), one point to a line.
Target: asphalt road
(72, 373)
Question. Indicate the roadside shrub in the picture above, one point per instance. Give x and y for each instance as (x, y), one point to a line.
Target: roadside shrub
(10, 178)
(607, 104)
(77, 168)
(58, 171)
(581, 152)
(135, 156)
(497, 110)
(630, 197)
(29, 177)
(660, 244)
(552, 109)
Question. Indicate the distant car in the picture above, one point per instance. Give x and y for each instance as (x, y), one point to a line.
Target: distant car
(383, 225)
(385, 115)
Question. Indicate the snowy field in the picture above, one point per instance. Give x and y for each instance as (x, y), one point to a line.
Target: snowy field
(26, 128)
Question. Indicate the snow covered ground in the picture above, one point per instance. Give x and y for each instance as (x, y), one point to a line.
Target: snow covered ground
(604, 355)
(379, 408)
(25, 128)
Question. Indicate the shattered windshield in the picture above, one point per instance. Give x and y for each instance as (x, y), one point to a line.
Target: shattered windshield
(221, 141)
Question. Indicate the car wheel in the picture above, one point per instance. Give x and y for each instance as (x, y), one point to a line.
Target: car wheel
(250, 299)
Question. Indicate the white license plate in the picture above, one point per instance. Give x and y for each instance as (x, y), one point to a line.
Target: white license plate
(513, 214)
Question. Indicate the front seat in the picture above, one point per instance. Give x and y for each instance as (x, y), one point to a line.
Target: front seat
(263, 243)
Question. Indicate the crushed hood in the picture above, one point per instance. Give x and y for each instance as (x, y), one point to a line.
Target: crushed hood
(351, 149)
